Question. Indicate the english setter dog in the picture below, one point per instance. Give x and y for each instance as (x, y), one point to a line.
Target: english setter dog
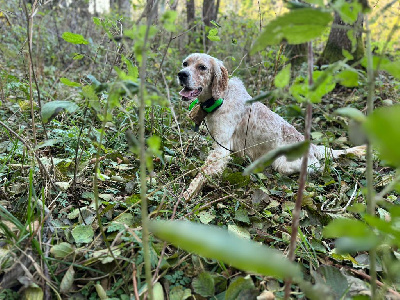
(251, 129)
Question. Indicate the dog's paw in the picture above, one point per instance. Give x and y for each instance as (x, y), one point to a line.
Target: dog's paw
(358, 151)
(186, 195)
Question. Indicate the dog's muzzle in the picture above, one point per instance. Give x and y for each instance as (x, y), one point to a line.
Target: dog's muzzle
(187, 93)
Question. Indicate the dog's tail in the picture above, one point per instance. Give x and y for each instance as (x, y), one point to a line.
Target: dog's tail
(324, 152)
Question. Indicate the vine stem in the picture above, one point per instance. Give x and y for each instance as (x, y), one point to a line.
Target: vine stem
(303, 174)
(369, 158)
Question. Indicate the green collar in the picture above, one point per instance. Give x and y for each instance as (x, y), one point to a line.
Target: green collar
(208, 106)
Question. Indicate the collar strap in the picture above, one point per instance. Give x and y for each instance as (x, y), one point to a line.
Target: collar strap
(208, 106)
(193, 103)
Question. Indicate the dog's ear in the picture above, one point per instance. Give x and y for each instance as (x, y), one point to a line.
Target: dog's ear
(220, 81)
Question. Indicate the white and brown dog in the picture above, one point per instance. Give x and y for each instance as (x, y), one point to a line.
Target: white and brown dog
(236, 126)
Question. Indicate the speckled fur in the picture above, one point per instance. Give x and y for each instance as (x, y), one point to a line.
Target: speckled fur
(237, 124)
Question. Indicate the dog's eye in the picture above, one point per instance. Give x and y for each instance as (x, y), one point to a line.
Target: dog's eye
(185, 64)
(202, 67)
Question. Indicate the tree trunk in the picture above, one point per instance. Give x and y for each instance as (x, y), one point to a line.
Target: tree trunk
(297, 54)
(148, 10)
(338, 40)
(123, 7)
(210, 11)
(174, 4)
(190, 13)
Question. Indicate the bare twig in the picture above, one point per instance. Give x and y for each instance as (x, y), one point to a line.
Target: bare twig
(379, 283)
(171, 107)
(142, 155)
(169, 42)
(369, 172)
(42, 167)
(303, 174)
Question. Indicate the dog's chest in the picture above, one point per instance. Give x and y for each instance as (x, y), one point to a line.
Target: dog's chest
(223, 122)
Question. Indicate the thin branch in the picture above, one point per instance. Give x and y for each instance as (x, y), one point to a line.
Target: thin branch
(303, 174)
(42, 167)
(142, 155)
(369, 172)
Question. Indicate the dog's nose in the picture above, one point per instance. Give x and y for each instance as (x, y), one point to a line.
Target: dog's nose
(183, 75)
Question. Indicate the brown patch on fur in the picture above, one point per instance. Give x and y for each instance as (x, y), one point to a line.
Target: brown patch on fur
(220, 82)
(291, 133)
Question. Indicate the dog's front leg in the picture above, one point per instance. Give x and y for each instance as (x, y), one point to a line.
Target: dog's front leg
(214, 165)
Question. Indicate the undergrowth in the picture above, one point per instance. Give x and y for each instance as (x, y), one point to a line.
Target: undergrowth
(87, 154)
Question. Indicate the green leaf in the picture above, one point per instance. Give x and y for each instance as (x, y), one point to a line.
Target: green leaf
(323, 84)
(206, 217)
(179, 293)
(82, 234)
(239, 231)
(352, 113)
(214, 242)
(242, 215)
(204, 285)
(347, 227)
(168, 20)
(296, 27)
(68, 82)
(291, 152)
(382, 225)
(100, 291)
(67, 281)
(214, 38)
(213, 31)
(355, 244)
(348, 78)
(97, 21)
(283, 77)
(158, 291)
(154, 143)
(262, 96)
(334, 279)
(62, 250)
(347, 54)
(385, 64)
(51, 109)
(74, 38)
(213, 35)
(33, 292)
(348, 11)
(239, 285)
(78, 56)
(353, 235)
(382, 127)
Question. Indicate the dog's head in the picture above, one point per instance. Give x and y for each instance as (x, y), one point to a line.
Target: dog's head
(202, 77)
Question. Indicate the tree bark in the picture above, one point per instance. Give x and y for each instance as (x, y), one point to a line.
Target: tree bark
(174, 4)
(210, 11)
(338, 40)
(297, 54)
(190, 13)
(148, 10)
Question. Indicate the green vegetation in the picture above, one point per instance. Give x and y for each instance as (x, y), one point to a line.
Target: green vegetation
(96, 149)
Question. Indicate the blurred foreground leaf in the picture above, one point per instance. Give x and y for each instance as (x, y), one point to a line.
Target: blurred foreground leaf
(296, 27)
(214, 242)
(292, 152)
(382, 127)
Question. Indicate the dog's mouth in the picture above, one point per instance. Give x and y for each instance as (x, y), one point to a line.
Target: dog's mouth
(189, 94)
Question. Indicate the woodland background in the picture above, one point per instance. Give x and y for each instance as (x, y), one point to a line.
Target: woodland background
(94, 140)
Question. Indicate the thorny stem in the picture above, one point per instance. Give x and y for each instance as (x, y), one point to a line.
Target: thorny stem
(303, 174)
(369, 158)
